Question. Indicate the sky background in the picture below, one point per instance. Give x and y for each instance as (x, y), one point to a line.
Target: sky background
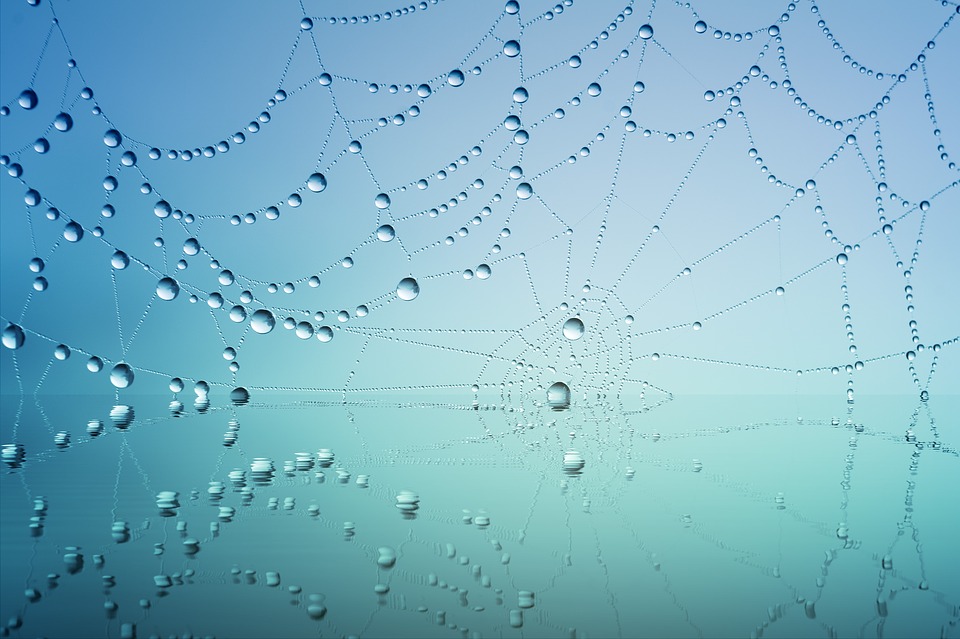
(182, 77)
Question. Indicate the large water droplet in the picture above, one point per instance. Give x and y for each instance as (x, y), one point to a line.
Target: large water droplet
(408, 289)
(573, 328)
(63, 122)
(168, 289)
(386, 233)
(28, 99)
(262, 321)
(382, 201)
(121, 376)
(13, 337)
(455, 78)
(646, 32)
(317, 182)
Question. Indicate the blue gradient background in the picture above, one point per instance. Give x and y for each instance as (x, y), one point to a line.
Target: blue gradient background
(773, 393)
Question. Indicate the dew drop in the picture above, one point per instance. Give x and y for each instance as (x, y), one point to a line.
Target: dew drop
(573, 328)
(646, 32)
(317, 182)
(408, 289)
(121, 376)
(168, 289)
(13, 337)
(262, 321)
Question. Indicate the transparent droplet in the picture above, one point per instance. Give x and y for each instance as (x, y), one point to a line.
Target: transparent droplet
(408, 289)
(700, 26)
(483, 271)
(262, 321)
(168, 289)
(63, 122)
(13, 337)
(317, 182)
(520, 95)
(28, 99)
(594, 89)
(524, 191)
(646, 32)
(386, 233)
(382, 201)
(94, 364)
(455, 78)
(573, 328)
(72, 232)
(121, 376)
(112, 138)
(511, 48)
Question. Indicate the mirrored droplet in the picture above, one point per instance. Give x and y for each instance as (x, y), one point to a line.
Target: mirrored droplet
(525, 599)
(573, 462)
(168, 289)
(63, 122)
(887, 562)
(408, 289)
(809, 610)
(112, 138)
(325, 458)
(317, 611)
(317, 182)
(121, 416)
(387, 558)
(382, 201)
(13, 337)
(73, 560)
(646, 32)
(13, 455)
(120, 531)
(516, 618)
(408, 502)
(272, 579)
(239, 396)
(28, 99)
(573, 328)
(558, 396)
(262, 321)
(455, 78)
(121, 376)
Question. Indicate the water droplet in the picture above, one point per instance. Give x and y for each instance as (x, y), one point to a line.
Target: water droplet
(558, 396)
(112, 138)
(594, 89)
(13, 337)
(386, 233)
(455, 78)
(121, 376)
(511, 48)
(168, 289)
(520, 95)
(842, 259)
(72, 232)
(408, 289)
(262, 321)
(63, 122)
(524, 191)
(646, 32)
(573, 328)
(574, 61)
(317, 182)
(382, 201)
(28, 99)
(700, 26)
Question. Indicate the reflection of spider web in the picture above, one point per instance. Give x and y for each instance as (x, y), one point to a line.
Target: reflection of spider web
(548, 211)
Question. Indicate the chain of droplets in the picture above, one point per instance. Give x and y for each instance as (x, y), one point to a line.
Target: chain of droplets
(385, 16)
(931, 109)
(701, 26)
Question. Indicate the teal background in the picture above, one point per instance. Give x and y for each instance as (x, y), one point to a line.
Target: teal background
(850, 412)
